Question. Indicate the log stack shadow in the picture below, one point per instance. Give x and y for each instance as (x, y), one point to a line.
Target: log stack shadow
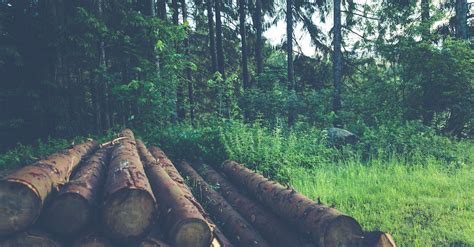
(124, 194)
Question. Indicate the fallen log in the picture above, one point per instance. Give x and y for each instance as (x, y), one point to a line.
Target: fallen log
(23, 193)
(220, 240)
(185, 225)
(243, 234)
(129, 208)
(271, 227)
(325, 225)
(30, 238)
(77, 202)
(92, 240)
(154, 239)
(378, 239)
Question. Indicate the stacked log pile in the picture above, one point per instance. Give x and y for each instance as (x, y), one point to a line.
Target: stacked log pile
(124, 194)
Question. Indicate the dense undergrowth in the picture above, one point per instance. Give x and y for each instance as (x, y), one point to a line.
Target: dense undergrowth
(404, 179)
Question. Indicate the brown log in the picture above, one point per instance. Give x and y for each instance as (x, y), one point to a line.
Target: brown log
(325, 225)
(378, 239)
(23, 193)
(233, 223)
(267, 223)
(185, 225)
(30, 238)
(92, 240)
(154, 239)
(76, 203)
(129, 208)
(220, 240)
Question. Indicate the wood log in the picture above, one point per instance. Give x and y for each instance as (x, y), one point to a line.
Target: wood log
(219, 239)
(32, 237)
(325, 225)
(129, 208)
(76, 204)
(185, 225)
(272, 228)
(23, 193)
(378, 239)
(243, 234)
(92, 239)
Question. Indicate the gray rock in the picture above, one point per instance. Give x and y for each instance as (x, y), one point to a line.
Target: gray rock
(339, 137)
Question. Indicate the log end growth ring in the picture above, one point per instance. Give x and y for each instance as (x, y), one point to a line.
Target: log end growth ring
(192, 233)
(129, 214)
(342, 231)
(20, 206)
(68, 214)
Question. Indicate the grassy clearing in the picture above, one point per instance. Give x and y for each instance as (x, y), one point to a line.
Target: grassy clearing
(426, 205)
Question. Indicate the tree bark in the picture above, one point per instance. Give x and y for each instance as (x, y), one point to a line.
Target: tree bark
(77, 202)
(337, 63)
(30, 238)
(234, 225)
(185, 225)
(129, 208)
(162, 9)
(178, 179)
(461, 19)
(188, 70)
(243, 37)
(289, 49)
(259, 42)
(219, 44)
(23, 193)
(378, 239)
(271, 227)
(103, 65)
(325, 225)
(212, 37)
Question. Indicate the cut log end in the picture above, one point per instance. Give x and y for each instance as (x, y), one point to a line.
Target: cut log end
(129, 214)
(20, 206)
(68, 214)
(192, 232)
(342, 231)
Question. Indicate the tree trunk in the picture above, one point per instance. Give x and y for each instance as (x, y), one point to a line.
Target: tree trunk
(425, 17)
(162, 9)
(259, 42)
(325, 225)
(271, 227)
(185, 225)
(129, 208)
(180, 111)
(103, 65)
(289, 49)
(242, 232)
(76, 204)
(461, 19)
(243, 37)
(188, 70)
(212, 38)
(23, 193)
(337, 63)
(219, 44)
(178, 179)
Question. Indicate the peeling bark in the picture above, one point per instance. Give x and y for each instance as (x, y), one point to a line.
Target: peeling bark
(271, 227)
(178, 179)
(185, 225)
(76, 203)
(234, 225)
(23, 193)
(325, 225)
(129, 208)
